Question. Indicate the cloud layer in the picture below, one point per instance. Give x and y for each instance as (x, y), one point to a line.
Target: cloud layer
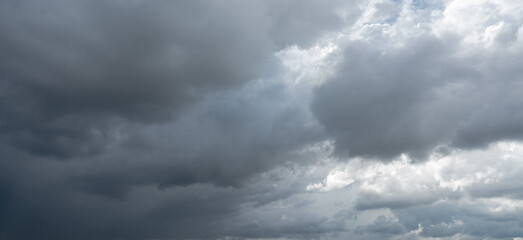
(366, 119)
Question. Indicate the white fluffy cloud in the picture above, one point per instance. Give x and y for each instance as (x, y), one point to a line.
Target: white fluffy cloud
(405, 200)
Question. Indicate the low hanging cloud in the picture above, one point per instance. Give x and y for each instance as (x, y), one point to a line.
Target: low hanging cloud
(75, 68)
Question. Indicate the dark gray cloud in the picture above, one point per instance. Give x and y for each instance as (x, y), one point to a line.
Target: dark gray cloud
(224, 140)
(138, 120)
(409, 99)
(71, 66)
(375, 104)
(78, 79)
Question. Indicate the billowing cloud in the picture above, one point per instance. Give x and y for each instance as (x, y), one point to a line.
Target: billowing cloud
(404, 88)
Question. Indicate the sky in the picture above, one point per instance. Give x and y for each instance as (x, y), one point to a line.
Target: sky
(250, 119)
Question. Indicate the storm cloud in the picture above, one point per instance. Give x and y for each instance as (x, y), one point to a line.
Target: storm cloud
(364, 119)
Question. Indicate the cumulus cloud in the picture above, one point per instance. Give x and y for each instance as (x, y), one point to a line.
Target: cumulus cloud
(405, 88)
(336, 179)
(400, 200)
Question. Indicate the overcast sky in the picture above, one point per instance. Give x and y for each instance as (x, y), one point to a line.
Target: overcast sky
(247, 119)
